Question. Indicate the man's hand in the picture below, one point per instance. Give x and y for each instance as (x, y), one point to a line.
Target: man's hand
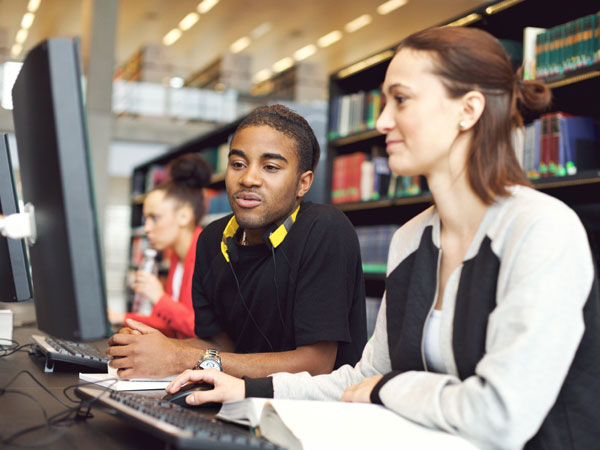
(361, 393)
(141, 351)
(227, 388)
(148, 285)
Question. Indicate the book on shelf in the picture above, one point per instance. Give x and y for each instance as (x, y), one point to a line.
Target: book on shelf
(360, 177)
(566, 47)
(529, 51)
(578, 143)
(308, 425)
(155, 176)
(372, 307)
(560, 144)
(354, 113)
(374, 242)
(217, 201)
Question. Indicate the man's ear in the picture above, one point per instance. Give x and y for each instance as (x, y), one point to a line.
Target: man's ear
(304, 183)
(473, 104)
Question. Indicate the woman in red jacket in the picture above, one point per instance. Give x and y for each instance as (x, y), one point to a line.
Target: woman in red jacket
(172, 214)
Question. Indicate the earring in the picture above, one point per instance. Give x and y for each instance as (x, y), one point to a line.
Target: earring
(462, 125)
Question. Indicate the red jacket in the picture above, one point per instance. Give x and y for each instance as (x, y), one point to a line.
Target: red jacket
(175, 318)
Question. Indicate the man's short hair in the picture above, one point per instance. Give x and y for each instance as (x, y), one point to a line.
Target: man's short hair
(290, 124)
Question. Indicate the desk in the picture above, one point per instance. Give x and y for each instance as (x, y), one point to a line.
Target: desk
(102, 432)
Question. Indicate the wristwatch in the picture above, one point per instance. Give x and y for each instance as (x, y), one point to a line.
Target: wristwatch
(210, 360)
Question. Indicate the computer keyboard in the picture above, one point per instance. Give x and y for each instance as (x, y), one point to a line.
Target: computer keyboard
(64, 351)
(184, 428)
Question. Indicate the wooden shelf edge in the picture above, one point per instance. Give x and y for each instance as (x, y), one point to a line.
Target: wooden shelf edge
(217, 178)
(575, 76)
(358, 206)
(353, 138)
(587, 177)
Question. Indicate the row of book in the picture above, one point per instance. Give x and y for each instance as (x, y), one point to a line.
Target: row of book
(372, 305)
(353, 113)
(217, 157)
(567, 47)
(143, 182)
(374, 246)
(217, 201)
(559, 144)
(360, 177)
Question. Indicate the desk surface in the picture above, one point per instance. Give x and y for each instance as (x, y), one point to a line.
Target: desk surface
(18, 412)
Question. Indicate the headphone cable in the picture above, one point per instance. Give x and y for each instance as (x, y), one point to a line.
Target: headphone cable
(246, 306)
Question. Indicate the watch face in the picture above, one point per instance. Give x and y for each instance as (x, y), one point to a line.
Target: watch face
(210, 364)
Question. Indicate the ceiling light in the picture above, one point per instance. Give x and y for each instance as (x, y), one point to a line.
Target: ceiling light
(21, 36)
(474, 17)
(239, 45)
(176, 82)
(329, 38)
(172, 36)
(283, 64)
(262, 75)
(358, 23)
(33, 5)
(361, 65)
(500, 6)
(27, 20)
(188, 21)
(389, 6)
(16, 50)
(261, 30)
(305, 52)
(206, 5)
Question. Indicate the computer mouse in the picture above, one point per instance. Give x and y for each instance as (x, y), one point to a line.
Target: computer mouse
(178, 397)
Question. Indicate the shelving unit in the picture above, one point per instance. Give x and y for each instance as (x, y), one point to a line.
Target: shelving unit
(576, 92)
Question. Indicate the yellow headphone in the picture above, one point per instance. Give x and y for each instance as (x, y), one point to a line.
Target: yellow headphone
(276, 237)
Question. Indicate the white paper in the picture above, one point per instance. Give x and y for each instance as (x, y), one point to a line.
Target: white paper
(112, 381)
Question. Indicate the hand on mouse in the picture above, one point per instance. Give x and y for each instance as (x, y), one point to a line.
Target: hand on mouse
(227, 388)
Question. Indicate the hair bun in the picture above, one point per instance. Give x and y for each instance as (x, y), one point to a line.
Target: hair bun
(190, 170)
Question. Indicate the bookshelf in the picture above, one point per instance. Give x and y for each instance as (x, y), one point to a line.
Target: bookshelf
(575, 92)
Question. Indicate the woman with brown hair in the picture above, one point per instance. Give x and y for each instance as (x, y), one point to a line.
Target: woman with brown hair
(172, 215)
(489, 325)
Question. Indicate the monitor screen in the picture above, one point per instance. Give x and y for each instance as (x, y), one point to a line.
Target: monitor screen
(15, 281)
(54, 163)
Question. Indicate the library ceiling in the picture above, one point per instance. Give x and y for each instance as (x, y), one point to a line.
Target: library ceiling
(275, 29)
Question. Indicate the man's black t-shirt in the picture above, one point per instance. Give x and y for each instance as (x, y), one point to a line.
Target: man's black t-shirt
(308, 289)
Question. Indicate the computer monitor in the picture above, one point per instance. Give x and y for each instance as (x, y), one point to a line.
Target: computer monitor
(54, 163)
(15, 281)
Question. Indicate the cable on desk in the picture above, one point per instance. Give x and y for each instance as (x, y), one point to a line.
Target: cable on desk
(66, 418)
(13, 347)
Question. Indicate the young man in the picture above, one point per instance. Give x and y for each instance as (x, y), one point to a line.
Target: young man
(278, 286)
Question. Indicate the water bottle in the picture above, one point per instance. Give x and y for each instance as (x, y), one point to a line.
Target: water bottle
(141, 304)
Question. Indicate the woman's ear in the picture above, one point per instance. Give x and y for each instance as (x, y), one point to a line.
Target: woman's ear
(185, 216)
(473, 104)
